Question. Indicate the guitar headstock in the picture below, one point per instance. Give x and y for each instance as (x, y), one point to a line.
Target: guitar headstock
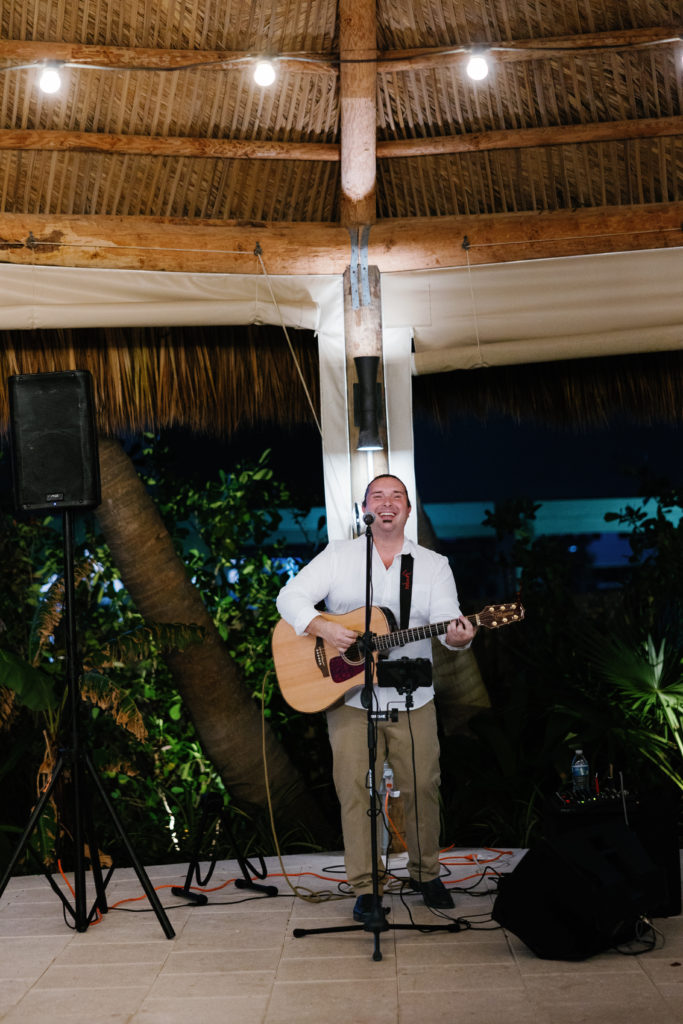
(495, 615)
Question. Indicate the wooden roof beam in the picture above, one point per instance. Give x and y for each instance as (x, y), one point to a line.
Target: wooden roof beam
(227, 247)
(165, 145)
(358, 111)
(539, 48)
(243, 149)
(129, 57)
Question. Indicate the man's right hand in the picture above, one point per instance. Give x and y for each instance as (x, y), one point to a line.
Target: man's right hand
(332, 632)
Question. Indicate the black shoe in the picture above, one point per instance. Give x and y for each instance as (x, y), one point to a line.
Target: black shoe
(363, 907)
(434, 893)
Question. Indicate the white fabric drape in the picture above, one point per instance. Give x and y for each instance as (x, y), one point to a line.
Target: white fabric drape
(455, 318)
(575, 307)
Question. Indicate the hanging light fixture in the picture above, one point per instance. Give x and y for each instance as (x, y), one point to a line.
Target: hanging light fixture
(50, 79)
(264, 73)
(366, 412)
(477, 67)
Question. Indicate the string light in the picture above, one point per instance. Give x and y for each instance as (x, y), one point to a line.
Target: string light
(477, 67)
(50, 79)
(264, 73)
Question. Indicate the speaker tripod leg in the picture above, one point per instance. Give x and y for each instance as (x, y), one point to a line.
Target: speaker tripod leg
(32, 822)
(143, 877)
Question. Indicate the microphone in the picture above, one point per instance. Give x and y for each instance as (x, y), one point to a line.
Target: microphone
(369, 518)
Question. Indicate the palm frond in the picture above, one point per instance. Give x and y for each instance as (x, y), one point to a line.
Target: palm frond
(8, 708)
(146, 641)
(50, 609)
(119, 704)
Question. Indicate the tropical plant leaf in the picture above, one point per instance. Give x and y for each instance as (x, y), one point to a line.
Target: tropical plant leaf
(34, 688)
(50, 609)
(98, 689)
(146, 641)
(45, 834)
(8, 708)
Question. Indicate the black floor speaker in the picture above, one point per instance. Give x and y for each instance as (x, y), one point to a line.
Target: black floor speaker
(572, 897)
(653, 815)
(54, 441)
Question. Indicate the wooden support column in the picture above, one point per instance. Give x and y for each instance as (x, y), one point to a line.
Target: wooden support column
(363, 333)
(358, 110)
(362, 299)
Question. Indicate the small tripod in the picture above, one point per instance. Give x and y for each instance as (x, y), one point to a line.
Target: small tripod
(74, 762)
(213, 807)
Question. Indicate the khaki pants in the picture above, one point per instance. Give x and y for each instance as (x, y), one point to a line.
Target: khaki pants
(349, 740)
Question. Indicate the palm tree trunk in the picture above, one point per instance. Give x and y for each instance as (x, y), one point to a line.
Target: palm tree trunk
(460, 689)
(225, 716)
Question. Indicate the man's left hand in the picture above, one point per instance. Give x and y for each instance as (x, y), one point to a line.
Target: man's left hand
(460, 632)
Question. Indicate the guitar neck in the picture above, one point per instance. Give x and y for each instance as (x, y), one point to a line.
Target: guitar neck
(400, 637)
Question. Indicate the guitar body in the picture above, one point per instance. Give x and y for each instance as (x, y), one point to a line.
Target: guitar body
(314, 676)
(311, 673)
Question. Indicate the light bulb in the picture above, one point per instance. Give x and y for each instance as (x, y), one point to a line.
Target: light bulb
(477, 67)
(264, 73)
(50, 79)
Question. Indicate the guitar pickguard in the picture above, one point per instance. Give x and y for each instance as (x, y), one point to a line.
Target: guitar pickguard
(341, 670)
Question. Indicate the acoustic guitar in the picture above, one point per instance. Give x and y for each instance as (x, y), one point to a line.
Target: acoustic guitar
(313, 675)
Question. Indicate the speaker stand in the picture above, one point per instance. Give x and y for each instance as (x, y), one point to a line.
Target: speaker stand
(212, 806)
(74, 761)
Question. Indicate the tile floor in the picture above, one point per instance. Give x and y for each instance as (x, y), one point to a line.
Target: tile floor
(236, 960)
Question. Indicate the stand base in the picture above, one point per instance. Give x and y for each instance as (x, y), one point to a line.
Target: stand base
(376, 930)
(194, 897)
(240, 883)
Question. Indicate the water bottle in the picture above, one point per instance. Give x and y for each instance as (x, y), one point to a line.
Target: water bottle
(580, 774)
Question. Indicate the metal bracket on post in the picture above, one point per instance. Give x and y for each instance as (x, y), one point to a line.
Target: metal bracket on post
(359, 259)
(353, 268)
(364, 275)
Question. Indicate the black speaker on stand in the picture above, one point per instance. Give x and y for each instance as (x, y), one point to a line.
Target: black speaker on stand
(54, 441)
(55, 468)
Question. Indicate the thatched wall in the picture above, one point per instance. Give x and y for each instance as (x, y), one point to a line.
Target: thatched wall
(208, 379)
(214, 380)
(579, 393)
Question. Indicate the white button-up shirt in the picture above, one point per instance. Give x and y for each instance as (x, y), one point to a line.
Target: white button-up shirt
(337, 576)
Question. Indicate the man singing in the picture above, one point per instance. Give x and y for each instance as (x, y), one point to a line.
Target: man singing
(337, 575)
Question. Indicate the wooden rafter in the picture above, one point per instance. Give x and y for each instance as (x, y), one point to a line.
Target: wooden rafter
(164, 145)
(358, 110)
(210, 246)
(122, 57)
(243, 149)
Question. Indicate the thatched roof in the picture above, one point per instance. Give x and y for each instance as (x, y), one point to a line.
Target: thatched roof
(161, 152)
(159, 115)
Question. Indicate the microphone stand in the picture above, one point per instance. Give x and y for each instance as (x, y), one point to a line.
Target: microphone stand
(376, 921)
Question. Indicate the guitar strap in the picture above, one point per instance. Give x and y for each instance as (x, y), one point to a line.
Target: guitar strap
(406, 589)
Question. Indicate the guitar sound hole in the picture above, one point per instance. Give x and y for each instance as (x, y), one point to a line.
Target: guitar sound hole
(352, 655)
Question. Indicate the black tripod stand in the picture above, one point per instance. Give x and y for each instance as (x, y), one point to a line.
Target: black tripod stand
(376, 921)
(74, 765)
